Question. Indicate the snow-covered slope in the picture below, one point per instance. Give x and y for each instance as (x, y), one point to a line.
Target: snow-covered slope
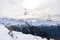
(4, 33)
(20, 36)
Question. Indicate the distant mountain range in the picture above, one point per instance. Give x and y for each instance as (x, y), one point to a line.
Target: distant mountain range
(33, 21)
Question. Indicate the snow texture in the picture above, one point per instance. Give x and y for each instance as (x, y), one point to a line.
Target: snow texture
(20, 36)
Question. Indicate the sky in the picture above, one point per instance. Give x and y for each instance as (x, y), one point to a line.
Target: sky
(38, 8)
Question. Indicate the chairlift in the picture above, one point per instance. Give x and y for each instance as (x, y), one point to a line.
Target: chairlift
(49, 18)
(25, 12)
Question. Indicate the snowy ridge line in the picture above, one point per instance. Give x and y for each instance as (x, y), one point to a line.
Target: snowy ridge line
(34, 22)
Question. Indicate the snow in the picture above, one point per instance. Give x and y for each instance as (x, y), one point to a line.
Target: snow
(34, 22)
(39, 22)
(26, 36)
(4, 33)
(20, 36)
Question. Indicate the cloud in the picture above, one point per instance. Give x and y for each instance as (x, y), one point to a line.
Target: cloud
(9, 8)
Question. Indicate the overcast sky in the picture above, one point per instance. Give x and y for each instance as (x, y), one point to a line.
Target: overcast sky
(9, 8)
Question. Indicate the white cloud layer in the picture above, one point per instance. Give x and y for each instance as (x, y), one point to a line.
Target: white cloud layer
(9, 8)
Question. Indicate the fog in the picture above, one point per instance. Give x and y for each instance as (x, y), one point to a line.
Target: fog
(38, 8)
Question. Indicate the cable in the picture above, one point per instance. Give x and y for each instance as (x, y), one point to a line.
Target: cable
(27, 4)
(20, 5)
(16, 4)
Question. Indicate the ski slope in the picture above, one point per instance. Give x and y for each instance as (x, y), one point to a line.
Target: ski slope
(20, 36)
(4, 33)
